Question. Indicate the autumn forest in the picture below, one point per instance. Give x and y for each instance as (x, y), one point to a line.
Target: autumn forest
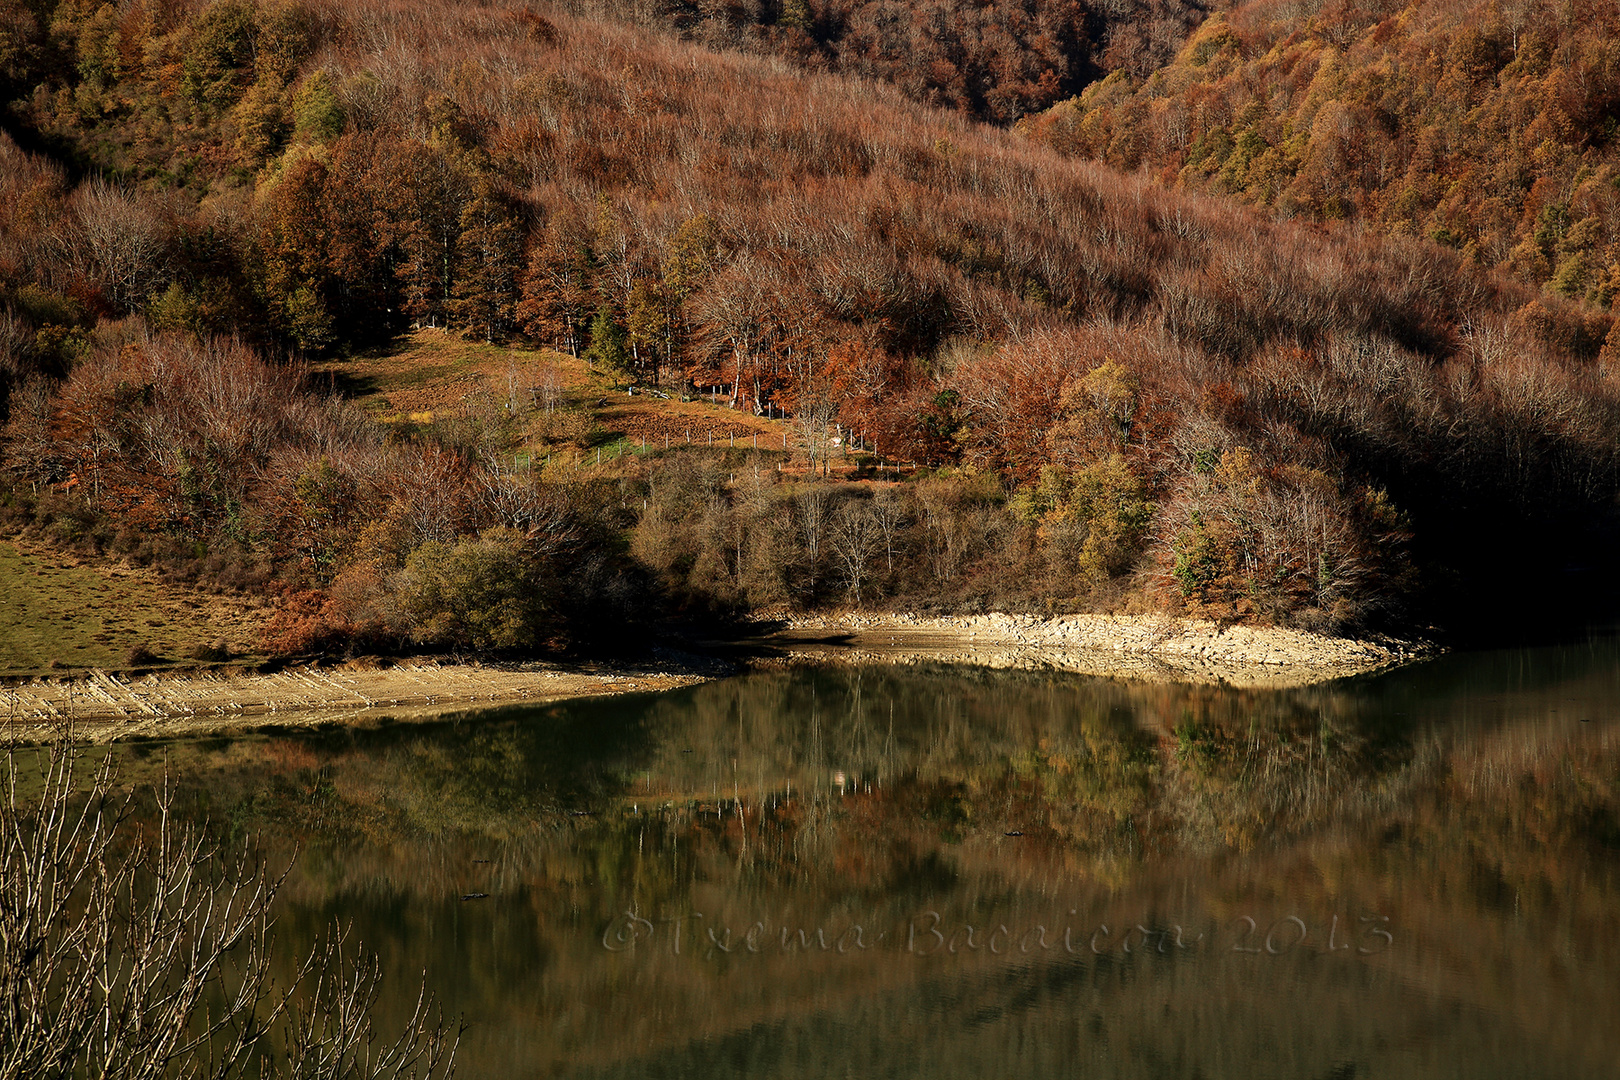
(1290, 313)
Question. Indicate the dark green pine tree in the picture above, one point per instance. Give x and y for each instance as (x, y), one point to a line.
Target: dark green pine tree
(609, 346)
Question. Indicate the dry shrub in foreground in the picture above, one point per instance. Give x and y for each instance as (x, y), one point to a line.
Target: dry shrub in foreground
(142, 950)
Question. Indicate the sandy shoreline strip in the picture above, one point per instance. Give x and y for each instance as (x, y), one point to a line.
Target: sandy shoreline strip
(1146, 647)
(105, 707)
(108, 707)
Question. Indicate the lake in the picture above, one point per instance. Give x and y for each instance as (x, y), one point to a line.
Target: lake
(943, 871)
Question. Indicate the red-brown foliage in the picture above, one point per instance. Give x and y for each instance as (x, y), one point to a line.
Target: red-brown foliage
(810, 243)
(1486, 127)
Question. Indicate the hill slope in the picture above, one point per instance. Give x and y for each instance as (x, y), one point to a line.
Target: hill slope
(996, 62)
(1486, 127)
(1141, 398)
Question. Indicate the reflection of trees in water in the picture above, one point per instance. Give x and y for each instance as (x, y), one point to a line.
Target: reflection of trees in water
(495, 779)
(726, 799)
(864, 776)
(1104, 766)
(1240, 767)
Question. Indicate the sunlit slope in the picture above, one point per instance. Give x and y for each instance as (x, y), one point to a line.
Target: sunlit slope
(1486, 127)
(1192, 406)
(65, 614)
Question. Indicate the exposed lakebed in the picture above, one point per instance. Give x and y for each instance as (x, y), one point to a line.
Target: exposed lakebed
(950, 871)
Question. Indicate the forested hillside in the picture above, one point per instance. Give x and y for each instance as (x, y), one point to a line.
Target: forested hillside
(1488, 127)
(1119, 396)
(997, 62)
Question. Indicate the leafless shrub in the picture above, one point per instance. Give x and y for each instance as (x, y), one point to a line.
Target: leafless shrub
(146, 954)
(211, 652)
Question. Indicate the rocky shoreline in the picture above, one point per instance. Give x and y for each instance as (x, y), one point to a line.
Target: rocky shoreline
(105, 707)
(1149, 647)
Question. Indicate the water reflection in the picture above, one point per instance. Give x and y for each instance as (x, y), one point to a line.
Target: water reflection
(915, 870)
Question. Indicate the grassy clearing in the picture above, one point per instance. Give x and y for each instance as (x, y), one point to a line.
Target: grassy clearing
(430, 376)
(435, 370)
(58, 614)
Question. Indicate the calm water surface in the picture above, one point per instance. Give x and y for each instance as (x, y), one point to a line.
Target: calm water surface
(931, 871)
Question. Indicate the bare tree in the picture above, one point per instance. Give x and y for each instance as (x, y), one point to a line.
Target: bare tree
(521, 390)
(548, 385)
(813, 513)
(856, 537)
(125, 237)
(946, 530)
(889, 514)
(145, 956)
(433, 488)
(734, 310)
(816, 412)
(513, 497)
(16, 343)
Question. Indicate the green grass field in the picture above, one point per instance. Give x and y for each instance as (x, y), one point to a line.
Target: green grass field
(55, 615)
